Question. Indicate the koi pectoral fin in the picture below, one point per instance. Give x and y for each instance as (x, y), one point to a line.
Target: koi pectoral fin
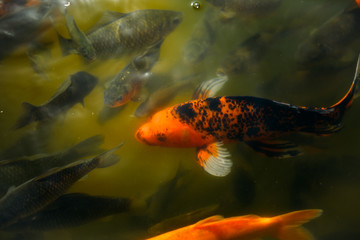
(278, 149)
(214, 159)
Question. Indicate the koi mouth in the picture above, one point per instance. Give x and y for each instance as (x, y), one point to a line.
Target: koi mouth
(139, 137)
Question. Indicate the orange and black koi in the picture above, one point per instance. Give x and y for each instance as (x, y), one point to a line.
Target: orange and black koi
(206, 123)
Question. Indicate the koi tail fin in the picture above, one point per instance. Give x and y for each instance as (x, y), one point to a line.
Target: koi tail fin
(292, 224)
(29, 113)
(353, 92)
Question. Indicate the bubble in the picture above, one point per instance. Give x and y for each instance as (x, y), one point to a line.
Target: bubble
(195, 4)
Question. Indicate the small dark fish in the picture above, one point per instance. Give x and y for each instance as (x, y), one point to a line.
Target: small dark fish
(328, 43)
(182, 220)
(126, 84)
(201, 39)
(119, 34)
(35, 194)
(72, 210)
(72, 91)
(21, 27)
(17, 171)
(247, 54)
(232, 8)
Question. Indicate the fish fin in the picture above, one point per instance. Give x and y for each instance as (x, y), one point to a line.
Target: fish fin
(214, 159)
(88, 146)
(324, 130)
(278, 149)
(29, 113)
(67, 46)
(211, 219)
(209, 88)
(9, 191)
(106, 18)
(107, 158)
(291, 224)
(83, 44)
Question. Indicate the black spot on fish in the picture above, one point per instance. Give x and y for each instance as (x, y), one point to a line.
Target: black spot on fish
(186, 112)
(214, 104)
(161, 137)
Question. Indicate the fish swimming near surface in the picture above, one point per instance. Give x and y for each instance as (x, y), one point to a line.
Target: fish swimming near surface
(14, 172)
(120, 34)
(35, 194)
(71, 210)
(127, 83)
(22, 26)
(201, 39)
(72, 91)
(207, 122)
(328, 43)
(283, 227)
(232, 8)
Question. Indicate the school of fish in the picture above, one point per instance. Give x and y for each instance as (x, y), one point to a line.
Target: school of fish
(37, 193)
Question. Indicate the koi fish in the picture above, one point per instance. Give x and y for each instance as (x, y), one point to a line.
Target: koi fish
(207, 122)
(284, 227)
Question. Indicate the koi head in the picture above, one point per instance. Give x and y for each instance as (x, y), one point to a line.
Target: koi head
(164, 129)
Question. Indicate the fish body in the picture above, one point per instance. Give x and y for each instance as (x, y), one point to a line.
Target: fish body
(329, 41)
(35, 194)
(21, 26)
(72, 210)
(201, 39)
(127, 34)
(72, 91)
(231, 8)
(249, 53)
(207, 123)
(14, 172)
(130, 80)
(284, 227)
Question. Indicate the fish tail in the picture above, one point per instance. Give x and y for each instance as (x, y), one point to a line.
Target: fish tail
(29, 113)
(87, 147)
(67, 46)
(291, 227)
(108, 158)
(353, 92)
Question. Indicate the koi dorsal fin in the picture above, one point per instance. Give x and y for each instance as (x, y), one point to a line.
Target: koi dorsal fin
(210, 88)
(214, 159)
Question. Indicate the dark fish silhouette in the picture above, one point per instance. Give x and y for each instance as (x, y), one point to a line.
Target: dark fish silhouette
(17, 171)
(329, 41)
(35, 194)
(72, 210)
(72, 91)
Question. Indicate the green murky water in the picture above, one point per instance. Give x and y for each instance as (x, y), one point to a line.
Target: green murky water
(325, 177)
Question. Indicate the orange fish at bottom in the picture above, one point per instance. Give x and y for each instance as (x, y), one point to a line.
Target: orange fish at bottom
(249, 227)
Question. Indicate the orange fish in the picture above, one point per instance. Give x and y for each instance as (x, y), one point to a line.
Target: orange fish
(207, 122)
(249, 227)
(358, 2)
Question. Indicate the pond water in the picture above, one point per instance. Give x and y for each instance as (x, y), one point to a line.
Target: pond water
(276, 61)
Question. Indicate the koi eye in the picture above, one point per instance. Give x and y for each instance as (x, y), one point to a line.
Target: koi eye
(176, 21)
